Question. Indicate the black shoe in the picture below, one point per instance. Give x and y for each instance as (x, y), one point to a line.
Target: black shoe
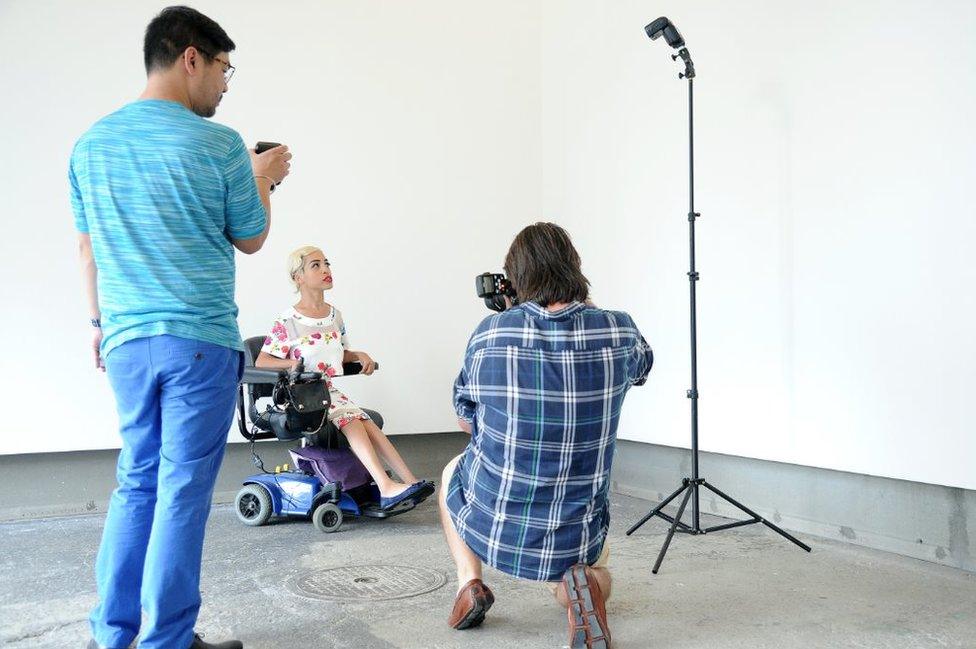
(198, 643)
(94, 645)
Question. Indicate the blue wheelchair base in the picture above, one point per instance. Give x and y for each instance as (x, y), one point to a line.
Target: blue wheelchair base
(294, 493)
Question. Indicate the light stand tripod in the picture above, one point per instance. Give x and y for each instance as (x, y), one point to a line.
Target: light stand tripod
(690, 486)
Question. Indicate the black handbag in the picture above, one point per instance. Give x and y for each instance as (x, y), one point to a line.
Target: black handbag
(307, 406)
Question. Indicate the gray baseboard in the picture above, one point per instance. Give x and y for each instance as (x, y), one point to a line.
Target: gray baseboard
(40, 485)
(914, 519)
(918, 520)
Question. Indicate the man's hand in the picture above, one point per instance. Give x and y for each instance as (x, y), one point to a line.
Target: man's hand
(368, 364)
(273, 163)
(464, 425)
(96, 347)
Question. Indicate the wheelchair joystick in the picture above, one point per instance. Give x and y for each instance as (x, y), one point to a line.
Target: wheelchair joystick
(296, 371)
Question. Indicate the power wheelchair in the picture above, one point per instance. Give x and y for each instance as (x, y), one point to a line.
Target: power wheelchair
(326, 481)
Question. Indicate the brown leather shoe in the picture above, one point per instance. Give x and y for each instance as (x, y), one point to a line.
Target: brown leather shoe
(472, 602)
(587, 609)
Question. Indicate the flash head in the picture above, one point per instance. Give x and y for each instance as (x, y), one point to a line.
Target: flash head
(664, 27)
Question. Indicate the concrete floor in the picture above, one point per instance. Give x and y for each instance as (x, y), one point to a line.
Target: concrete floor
(740, 588)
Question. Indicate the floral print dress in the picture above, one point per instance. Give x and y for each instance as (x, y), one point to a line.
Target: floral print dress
(321, 343)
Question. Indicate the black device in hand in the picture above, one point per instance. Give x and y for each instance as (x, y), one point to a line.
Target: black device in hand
(261, 147)
(494, 288)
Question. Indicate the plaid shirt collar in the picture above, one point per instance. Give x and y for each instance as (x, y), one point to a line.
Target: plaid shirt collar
(539, 311)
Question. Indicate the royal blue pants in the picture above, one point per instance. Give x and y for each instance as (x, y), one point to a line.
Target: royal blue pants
(175, 399)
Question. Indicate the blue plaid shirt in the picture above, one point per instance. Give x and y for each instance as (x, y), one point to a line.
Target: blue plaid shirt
(543, 392)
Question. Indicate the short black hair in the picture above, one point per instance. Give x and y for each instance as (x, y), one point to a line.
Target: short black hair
(177, 28)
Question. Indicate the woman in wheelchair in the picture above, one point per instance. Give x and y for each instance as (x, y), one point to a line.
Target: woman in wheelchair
(312, 330)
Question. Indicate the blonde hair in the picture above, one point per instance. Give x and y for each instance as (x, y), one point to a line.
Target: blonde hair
(296, 262)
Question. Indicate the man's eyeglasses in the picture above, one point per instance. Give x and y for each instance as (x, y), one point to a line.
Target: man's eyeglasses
(228, 68)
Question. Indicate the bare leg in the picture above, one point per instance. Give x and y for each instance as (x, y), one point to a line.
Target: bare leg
(362, 446)
(467, 562)
(602, 576)
(385, 449)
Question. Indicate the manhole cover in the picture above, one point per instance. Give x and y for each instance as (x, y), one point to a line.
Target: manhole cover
(366, 583)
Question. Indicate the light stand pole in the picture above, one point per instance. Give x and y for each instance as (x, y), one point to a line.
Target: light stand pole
(690, 486)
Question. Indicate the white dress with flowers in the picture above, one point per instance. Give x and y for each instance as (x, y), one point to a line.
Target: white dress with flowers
(321, 342)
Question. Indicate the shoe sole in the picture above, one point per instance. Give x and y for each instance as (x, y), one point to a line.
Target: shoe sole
(584, 612)
(476, 615)
(423, 494)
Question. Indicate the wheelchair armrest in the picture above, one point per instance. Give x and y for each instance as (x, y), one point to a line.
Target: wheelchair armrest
(348, 369)
(263, 375)
(271, 376)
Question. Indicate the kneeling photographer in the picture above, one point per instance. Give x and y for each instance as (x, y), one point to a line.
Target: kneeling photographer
(540, 393)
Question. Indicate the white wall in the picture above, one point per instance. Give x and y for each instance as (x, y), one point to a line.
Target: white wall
(415, 130)
(836, 159)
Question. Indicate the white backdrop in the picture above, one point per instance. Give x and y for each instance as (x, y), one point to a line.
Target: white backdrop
(417, 153)
(836, 163)
(836, 160)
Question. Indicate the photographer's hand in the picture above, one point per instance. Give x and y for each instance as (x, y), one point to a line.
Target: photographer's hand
(273, 163)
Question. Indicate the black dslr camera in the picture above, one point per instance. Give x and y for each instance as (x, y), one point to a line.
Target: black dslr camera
(493, 288)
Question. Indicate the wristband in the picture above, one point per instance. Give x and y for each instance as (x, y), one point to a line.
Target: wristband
(270, 180)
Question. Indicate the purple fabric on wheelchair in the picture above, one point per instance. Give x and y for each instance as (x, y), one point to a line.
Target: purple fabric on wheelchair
(332, 465)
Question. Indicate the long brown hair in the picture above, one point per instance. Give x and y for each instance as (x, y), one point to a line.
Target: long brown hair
(544, 267)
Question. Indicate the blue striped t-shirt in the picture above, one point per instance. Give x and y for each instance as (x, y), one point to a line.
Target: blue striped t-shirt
(161, 191)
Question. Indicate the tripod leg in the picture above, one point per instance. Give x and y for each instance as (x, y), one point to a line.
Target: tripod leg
(651, 514)
(674, 526)
(759, 518)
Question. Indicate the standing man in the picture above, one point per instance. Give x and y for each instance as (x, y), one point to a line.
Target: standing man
(161, 197)
(540, 393)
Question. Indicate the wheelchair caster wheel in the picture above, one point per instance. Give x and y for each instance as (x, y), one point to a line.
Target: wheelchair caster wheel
(327, 517)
